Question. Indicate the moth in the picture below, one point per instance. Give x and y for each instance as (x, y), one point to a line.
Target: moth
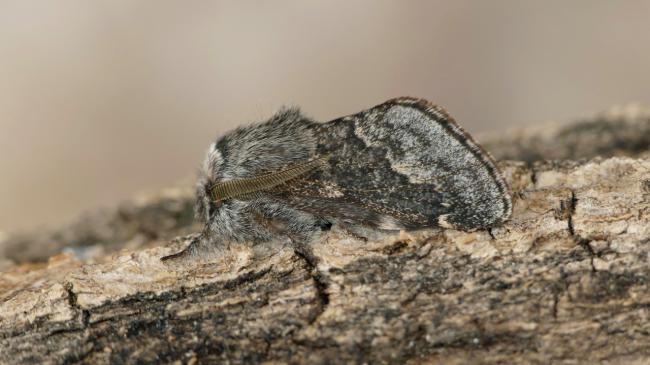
(404, 164)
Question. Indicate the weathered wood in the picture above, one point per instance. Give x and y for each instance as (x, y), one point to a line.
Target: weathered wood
(565, 281)
(621, 131)
(143, 222)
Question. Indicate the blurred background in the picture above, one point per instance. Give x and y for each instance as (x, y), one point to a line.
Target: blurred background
(100, 100)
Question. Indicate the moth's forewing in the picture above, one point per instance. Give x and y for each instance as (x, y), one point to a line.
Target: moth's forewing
(404, 161)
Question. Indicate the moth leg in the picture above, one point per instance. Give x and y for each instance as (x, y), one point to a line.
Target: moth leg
(304, 250)
(187, 252)
(323, 224)
(201, 245)
(354, 232)
(300, 228)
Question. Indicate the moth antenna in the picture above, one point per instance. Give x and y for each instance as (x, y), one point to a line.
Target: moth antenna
(241, 187)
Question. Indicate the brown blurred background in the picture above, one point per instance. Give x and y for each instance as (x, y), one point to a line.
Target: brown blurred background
(103, 99)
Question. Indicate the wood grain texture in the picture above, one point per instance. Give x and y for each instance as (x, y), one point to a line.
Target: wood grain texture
(566, 280)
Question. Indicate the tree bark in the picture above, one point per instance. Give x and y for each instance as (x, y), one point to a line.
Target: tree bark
(621, 131)
(566, 280)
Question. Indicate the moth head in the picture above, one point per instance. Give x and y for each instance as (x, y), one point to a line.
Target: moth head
(213, 190)
(247, 161)
(206, 205)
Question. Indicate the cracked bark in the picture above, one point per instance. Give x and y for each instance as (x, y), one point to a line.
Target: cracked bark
(565, 281)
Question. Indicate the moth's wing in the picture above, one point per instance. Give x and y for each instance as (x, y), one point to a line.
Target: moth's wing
(403, 161)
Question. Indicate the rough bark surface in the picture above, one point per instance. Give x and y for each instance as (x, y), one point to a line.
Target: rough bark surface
(567, 280)
(621, 131)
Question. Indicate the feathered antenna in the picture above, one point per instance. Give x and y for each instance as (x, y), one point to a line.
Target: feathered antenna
(236, 188)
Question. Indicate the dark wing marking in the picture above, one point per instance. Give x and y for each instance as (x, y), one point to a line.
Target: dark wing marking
(405, 160)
